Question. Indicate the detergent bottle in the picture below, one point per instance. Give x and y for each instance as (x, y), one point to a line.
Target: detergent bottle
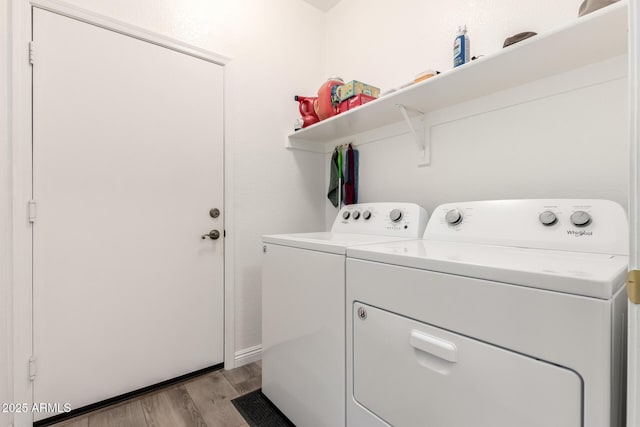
(461, 47)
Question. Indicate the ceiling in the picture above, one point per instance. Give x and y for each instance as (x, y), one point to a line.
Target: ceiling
(323, 5)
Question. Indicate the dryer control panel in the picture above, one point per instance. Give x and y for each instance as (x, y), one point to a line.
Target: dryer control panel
(580, 225)
(384, 219)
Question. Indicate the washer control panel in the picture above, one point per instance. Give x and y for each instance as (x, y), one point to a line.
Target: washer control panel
(582, 225)
(388, 219)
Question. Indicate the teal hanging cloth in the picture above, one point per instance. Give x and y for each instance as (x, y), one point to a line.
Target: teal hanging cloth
(334, 177)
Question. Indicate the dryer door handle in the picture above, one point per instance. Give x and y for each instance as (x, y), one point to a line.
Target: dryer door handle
(433, 345)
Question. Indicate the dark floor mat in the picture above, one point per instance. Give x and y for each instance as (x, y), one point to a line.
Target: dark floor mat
(258, 411)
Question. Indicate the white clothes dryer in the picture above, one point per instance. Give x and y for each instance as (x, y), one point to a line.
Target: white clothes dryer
(303, 308)
(508, 313)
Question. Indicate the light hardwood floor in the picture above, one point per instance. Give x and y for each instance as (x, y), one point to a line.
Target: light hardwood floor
(204, 401)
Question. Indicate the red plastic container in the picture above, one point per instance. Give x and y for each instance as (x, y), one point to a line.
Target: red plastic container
(359, 99)
(307, 110)
(328, 98)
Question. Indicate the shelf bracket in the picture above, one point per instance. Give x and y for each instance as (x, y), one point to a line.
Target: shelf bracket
(423, 143)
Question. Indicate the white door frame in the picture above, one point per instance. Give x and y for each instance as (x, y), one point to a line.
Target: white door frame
(20, 122)
(633, 387)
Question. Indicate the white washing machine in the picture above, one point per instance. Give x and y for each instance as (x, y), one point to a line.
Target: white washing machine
(303, 308)
(508, 314)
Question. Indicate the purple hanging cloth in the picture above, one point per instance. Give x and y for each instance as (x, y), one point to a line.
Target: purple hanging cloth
(350, 181)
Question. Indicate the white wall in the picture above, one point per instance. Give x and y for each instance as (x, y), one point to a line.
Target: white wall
(564, 136)
(5, 222)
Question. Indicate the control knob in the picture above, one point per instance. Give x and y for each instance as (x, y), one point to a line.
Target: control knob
(395, 215)
(548, 218)
(453, 217)
(356, 214)
(366, 215)
(346, 214)
(580, 218)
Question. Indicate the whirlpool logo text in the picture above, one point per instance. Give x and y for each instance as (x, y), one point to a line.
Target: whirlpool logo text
(580, 233)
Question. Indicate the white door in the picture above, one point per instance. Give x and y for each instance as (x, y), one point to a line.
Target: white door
(128, 162)
(633, 344)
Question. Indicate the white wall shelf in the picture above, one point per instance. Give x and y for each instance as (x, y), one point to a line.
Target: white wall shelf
(592, 38)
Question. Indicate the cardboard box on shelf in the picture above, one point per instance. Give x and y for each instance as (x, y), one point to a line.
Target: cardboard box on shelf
(354, 87)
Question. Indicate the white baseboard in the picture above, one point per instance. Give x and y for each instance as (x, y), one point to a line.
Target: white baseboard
(248, 355)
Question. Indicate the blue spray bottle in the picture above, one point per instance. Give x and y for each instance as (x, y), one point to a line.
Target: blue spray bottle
(461, 47)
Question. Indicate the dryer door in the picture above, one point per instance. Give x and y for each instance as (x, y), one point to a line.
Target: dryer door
(411, 374)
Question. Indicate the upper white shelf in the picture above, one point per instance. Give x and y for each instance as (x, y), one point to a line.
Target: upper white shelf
(589, 39)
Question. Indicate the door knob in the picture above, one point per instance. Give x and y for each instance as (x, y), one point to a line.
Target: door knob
(213, 235)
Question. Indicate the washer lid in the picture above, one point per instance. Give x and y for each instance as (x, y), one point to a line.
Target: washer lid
(335, 243)
(587, 274)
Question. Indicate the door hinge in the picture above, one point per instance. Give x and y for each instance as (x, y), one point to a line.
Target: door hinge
(32, 211)
(633, 286)
(32, 368)
(31, 52)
